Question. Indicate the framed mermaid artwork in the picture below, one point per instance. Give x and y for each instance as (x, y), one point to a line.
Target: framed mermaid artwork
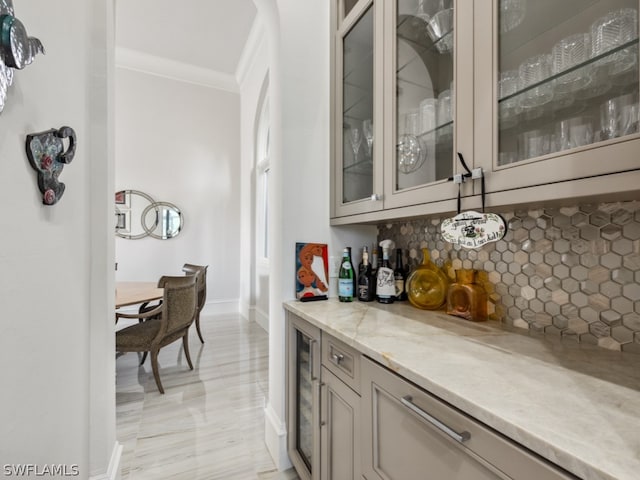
(312, 275)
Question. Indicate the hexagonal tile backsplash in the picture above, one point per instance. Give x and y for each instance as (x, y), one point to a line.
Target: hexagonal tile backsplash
(571, 271)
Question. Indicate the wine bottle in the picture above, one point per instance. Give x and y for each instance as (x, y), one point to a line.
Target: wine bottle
(400, 277)
(345, 278)
(374, 259)
(355, 277)
(385, 280)
(366, 281)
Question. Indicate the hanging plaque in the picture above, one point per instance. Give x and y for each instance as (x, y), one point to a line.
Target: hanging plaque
(473, 229)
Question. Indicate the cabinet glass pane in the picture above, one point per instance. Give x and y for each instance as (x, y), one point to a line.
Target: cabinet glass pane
(425, 94)
(568, 75)
(357, 102)
(347, 6)
(304, 407)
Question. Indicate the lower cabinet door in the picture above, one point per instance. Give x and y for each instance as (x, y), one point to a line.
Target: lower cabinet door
(410, 434)
(340, 430)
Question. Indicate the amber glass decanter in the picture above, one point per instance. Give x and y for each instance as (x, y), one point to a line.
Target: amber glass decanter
(427, 285)
(466, 298)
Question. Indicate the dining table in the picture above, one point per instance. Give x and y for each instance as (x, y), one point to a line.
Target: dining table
(134, 293)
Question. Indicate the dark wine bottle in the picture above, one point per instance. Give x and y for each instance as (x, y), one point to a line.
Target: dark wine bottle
(366, 280)
(375, 260)
(355, 276)
(400, 277)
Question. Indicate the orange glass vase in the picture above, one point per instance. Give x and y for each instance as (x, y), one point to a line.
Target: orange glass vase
(466, 298)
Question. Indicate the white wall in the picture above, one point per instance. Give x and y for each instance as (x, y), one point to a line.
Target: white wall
(179, 142)
(56, 262)
(252, 74)
(298, 33)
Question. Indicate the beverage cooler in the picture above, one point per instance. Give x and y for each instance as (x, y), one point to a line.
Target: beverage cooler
(303, 402)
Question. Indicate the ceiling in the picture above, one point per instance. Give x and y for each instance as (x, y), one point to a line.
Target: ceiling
(209, 34)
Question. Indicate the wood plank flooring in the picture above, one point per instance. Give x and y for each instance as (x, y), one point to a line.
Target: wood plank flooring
(210, 423)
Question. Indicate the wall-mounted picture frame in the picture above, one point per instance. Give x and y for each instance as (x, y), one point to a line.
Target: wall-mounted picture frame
(312, 274)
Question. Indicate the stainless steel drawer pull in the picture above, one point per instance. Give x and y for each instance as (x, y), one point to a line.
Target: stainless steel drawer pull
(407, 401)
(337, 357)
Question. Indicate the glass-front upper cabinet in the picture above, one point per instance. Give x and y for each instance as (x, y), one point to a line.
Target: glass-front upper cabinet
(564, 78)
(357, 175)
(422, 123)
(402, 105)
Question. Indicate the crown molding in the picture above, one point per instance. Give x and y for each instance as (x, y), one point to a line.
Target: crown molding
(250, 51)
(183, 72)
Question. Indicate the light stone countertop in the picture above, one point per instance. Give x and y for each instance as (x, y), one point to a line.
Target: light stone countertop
(576, 405)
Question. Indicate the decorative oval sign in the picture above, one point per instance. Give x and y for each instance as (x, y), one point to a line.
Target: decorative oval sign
(473, 229)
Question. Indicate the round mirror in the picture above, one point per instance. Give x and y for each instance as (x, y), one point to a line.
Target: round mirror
(162, 220)
(130, 205)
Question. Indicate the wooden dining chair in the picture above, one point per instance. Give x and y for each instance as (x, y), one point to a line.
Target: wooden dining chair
(201, 287)
(176, 314)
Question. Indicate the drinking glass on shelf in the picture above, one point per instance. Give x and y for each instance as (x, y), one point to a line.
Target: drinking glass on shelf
(428, 109)
(355, 138)
(412, 123)
(440, 30)
(508, 108)
(427, 9)
(533, 70)
(569, 52)
(410, 151)
(630, 118)
(574, 132)
(612, 30)
(612, 121)
(512, 13)
(444, 107)
(367, 129)
(534, 143)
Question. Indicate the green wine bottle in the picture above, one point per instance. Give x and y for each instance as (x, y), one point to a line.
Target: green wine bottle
(345, 278)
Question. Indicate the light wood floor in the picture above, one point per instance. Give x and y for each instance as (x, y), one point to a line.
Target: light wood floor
(210, 423)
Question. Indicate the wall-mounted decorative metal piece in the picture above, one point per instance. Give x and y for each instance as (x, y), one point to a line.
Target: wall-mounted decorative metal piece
(48, 157)
(17, 49)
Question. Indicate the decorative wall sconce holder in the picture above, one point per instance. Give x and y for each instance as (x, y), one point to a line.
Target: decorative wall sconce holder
(17, 49)
(47, 156)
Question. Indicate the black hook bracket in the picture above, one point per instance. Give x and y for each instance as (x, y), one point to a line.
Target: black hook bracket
(460, 178)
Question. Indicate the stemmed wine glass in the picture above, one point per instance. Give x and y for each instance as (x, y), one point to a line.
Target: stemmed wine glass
(355, 137)
(367, 128)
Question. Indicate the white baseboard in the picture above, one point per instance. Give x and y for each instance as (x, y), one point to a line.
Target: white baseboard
(217, 307)
(275, 437)
(260, 317)
(113, 470)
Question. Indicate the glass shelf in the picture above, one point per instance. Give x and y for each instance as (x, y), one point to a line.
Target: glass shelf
(581, 67)
(591, 102)
(361, 167)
